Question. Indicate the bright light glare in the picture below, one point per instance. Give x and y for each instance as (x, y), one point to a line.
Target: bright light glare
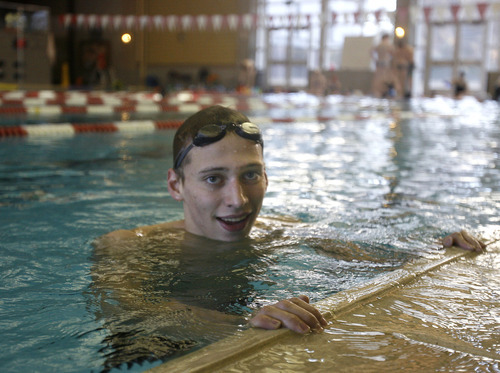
(400, 32)
(126, 38)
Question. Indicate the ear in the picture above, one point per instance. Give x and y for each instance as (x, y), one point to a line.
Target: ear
(267, 181)
(174, 184)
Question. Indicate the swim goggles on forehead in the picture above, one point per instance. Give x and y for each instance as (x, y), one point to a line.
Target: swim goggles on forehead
(214, 132)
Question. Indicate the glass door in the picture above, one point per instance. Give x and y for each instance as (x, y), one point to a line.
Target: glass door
(287, 53)
(455, 48)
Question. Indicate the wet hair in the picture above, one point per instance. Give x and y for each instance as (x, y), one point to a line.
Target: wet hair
(212, 115)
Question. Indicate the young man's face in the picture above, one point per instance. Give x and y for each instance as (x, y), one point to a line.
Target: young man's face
(223, 188)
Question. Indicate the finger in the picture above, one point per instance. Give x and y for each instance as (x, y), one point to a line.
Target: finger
(305, 298)
(269, 316)
(304, 311)
(265, 322)
(456, 239)
(478, 246)
(310, 308)
(449, 240)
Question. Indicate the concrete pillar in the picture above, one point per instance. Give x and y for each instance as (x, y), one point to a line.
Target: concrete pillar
(403, 20)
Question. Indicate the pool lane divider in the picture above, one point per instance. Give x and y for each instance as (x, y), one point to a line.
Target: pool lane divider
(93, 107)
(232, 349)
(147, 126)
(72, 129)
(142, 108)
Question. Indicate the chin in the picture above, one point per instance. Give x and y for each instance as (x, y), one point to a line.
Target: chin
(232, 237)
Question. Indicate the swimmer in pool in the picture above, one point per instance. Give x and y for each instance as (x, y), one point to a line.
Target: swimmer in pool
(219, 175)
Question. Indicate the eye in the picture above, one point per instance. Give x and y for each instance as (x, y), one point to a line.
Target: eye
(213, 179)
(252, 176)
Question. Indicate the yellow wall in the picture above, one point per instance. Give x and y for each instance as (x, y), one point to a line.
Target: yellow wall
(191, 47)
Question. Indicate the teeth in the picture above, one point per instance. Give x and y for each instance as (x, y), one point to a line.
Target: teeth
(233, 220)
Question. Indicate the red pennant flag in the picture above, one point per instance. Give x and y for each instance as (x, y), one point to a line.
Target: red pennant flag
(427, 13)
(482, 7)
(403, 15)
(356, 16)
(455, 8)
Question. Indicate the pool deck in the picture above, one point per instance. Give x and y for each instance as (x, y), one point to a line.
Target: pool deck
(352, 312)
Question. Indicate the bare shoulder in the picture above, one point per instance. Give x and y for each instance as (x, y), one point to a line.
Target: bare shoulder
(124, 235)
(278, 221)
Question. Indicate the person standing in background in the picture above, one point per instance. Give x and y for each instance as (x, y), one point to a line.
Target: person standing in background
(384, 83)
(403, 65)
(460, 86)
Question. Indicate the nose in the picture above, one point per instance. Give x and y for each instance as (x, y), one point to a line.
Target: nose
(235, 194)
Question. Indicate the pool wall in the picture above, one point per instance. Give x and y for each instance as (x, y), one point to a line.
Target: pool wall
(223, 354)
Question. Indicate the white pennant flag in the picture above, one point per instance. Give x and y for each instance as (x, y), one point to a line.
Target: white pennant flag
(495, 8)
(91, 20)
(143, 21)
(104, 21)
(470, 11)
(80, 20)
(414, 13)
(441, 13)
(217, 21)
(172, 22)
(130, 21)
(232, 21)
(67, 20)
(202, 21)
(117, 21)
(285, 21)
(158, 22)
(247, 21)
(186, 22)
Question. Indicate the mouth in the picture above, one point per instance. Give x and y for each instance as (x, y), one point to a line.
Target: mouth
(234, 223)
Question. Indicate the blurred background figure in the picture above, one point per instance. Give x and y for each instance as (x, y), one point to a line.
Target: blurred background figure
(317, 83)
(403, 64)
(334, 86)
(384, 83)
(496, 92)
(246, 76)
(460, 86)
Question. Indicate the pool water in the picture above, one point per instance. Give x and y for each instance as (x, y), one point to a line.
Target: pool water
(393, 184)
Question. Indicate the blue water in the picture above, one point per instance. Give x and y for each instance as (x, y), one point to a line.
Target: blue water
(394, 186)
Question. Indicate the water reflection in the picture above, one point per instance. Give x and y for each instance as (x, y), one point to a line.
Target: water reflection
(446, 321)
